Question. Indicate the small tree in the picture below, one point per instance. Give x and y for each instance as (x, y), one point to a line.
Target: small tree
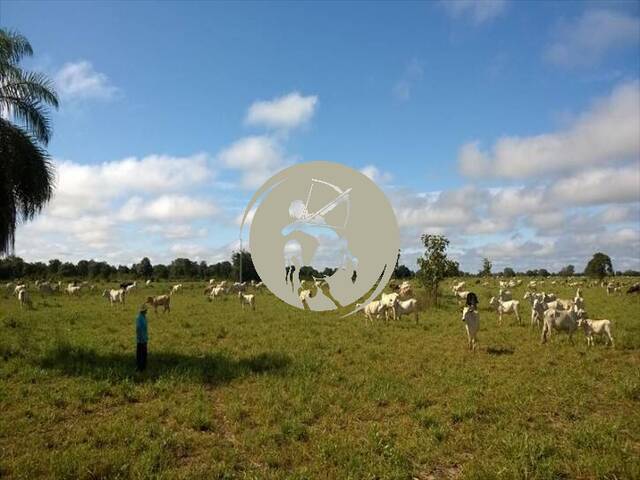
(434, 265)
(486, 268)
(144, 269)
(567, 271)
(508, 272)
(599, 266)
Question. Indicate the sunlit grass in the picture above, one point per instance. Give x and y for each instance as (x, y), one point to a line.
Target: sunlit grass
(289, 394)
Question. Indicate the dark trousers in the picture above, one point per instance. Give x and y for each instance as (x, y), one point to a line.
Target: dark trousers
(141, 356)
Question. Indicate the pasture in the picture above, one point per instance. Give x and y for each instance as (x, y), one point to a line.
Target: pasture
(283, 393)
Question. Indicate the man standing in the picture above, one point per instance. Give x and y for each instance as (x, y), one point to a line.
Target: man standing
(142, 338)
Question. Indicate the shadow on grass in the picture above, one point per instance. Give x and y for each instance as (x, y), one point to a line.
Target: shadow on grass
(500, 351)
(211, 368)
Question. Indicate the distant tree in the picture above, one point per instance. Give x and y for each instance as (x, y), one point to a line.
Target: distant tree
(543, 272)
(83, 268)
(568, 271)
(486, 268)
(183, 268)
(434, 264)
(54, 266)
(123, 270)
(631, 273)
(67, 270)
(402, 271)
(599, 266)
(508, 272)
(160, 271)
(248, 270)
(144, 269)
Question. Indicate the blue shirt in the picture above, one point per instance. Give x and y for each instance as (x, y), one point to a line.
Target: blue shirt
(141, 328)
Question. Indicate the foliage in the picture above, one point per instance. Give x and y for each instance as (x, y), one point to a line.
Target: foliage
(248, 269)
(486, 268)
(402, 271)
(508, 272)
(434, 264)
(599, 266)
(26, 173)
(567, 271)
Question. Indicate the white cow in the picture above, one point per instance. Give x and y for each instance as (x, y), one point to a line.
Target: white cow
(537, 312)
(461, 296)
(160, 301)
(24, 298)
(175, 288)
(471, 318)
(114, 296)
(390, 304)
(73, 289)
(407, 307)
(562, 321)
(216, 292)
(596, 327)
(508, 307)
(372, 309)
(249, 300)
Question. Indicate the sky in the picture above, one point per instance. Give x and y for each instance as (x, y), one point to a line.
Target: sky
(513, 128)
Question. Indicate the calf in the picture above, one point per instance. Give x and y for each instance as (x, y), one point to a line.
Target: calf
(371, 310)
(24, 299)
(508, 307)
(249, 300)
(406, 307)
(596, 327)
(163, 301)
(114, 296)
(389, 303)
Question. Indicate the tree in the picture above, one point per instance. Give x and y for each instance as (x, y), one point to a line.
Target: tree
(26, 173)
(144, 269)
(248, 270)
(567, 271)
(402, 271)
(486, 268)
(599, 266)
(434, 264)
(54, 266)
(160, 271)
(508, 272)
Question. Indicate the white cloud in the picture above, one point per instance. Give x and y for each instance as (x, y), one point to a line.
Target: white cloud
(176, 231)
(591, 37)
(479, 11)
(257, 158)
(167, 207)
(376, 175)
(286, 112)
(605, 134)
(80, 81)
(403, 87)
(599, 186)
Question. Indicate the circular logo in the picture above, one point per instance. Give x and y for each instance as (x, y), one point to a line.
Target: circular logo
(323, 236)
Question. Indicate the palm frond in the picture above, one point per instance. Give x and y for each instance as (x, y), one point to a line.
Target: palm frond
(13, 46)
(26, 180)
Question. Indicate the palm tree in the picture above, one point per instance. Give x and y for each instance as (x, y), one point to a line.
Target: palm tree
(26, 172)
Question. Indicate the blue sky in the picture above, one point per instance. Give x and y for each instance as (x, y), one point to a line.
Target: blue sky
(446, 104)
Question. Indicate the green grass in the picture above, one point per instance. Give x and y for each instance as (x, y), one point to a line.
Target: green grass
(290, 394)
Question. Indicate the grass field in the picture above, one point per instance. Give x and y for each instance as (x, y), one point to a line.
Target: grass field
(284, 393)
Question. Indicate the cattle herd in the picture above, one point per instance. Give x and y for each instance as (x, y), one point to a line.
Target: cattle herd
(548, 312)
